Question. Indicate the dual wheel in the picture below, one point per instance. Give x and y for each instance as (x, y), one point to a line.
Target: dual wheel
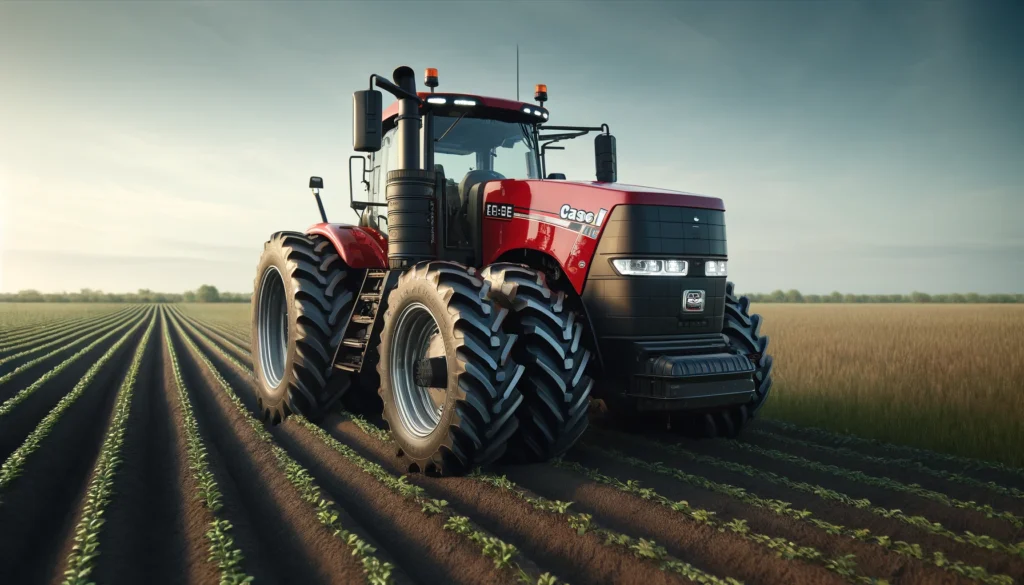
(474, 366)
(478, 366)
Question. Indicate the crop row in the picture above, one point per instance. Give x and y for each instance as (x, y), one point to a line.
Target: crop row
(901, 462)
(33, 333)
(919, 522)
(15, 463)
(581, 523)
(881, 482)
(377, 572)
(86, 549)
(60, 328)
(24, 393)
(965, 463)
(67, 337)
(110, 329)
(786, 509)
(222, 547)
(502, 553)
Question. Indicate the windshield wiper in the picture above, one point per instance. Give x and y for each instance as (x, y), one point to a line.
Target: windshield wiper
(455, 123)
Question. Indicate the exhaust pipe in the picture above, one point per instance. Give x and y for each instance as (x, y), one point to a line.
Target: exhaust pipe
(410, 189)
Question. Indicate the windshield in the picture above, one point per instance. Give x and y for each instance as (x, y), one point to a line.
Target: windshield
(467, 144)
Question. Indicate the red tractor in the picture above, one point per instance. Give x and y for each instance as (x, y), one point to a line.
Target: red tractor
(492, 301)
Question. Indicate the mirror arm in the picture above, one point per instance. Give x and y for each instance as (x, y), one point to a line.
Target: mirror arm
(393, 89)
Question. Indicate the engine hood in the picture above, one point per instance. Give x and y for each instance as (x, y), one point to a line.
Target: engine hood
(604, 194)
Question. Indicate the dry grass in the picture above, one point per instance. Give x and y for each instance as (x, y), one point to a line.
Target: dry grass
(948, 378)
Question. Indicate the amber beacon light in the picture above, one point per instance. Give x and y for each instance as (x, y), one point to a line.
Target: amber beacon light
(540, 93)
(431, 77)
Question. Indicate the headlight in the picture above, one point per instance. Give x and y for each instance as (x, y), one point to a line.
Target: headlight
(650, 267)
(715, 268)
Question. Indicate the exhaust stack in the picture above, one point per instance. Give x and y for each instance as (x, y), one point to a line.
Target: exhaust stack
(410, 190)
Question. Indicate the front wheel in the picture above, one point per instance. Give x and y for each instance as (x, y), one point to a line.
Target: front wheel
(556, 389)
(448, 380)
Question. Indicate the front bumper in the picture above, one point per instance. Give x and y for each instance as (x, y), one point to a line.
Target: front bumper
(695, 373)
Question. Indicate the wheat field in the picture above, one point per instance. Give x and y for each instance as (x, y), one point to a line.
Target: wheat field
(949, 377)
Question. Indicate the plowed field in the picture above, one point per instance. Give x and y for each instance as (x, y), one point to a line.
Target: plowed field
(131, 455)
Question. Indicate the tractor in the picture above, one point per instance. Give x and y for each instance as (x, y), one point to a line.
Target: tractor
(481, 303)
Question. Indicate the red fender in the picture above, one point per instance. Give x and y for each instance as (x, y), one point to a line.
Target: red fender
(359, 247)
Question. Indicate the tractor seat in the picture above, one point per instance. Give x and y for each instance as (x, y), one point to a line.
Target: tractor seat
(472, 179)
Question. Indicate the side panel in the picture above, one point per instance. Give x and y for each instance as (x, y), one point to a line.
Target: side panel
(564, 219)
(359, 247)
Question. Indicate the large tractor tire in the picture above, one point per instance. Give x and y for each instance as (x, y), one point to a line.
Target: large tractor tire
(448, 380)
(555, 388)
(744, 333)
(300, 304)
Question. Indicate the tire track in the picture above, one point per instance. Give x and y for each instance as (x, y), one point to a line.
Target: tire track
(37, 509)
(274, 491)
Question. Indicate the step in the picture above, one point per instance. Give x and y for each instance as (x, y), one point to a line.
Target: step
(350, 363)
(376, 273)
(369, 296)
(364, 319)
(352, 342)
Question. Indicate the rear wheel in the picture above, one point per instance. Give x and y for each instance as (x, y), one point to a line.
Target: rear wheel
(301, 299)
(448, 380)
(555, 389)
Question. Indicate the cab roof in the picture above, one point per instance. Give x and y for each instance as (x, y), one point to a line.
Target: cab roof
(474, 106)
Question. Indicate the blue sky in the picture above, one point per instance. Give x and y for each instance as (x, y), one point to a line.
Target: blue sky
(863, 147)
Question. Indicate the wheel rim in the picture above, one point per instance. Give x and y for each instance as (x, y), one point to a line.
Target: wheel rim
(272, 327)
(416, 337)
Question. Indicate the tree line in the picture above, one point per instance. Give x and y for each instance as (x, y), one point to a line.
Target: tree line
(204, 294)
(795, 296)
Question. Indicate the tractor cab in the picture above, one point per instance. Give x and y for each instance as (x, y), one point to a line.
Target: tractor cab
(475, 140)
(469, 141)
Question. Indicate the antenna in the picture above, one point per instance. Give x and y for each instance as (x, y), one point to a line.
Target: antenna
(517, 72)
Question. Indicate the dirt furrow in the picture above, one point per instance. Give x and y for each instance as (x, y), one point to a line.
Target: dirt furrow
(566, 548)
(219, 340)
(16, 378)
(982, 470)
(37, 510)
(901, 470)
(954, 518)
(20, 353)
(417, 544)
(35, 333)
(144, 538)
(291, 543)
(831, 506)
(32, 402)
(867, 559)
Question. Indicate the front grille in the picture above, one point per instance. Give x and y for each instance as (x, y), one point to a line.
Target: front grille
(641, 306)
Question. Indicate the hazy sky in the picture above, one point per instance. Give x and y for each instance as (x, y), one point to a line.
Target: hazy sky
(864, 147)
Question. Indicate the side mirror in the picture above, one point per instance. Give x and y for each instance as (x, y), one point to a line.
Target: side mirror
(604, 158)
(366, 122)
(316, 183)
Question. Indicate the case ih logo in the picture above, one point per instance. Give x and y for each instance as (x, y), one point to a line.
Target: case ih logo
(693, 301)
